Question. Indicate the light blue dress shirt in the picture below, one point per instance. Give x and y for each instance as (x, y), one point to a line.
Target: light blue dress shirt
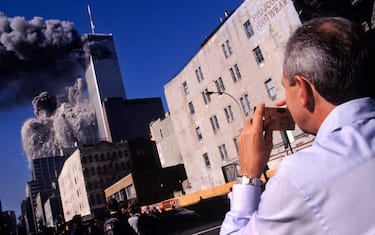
(328, 188)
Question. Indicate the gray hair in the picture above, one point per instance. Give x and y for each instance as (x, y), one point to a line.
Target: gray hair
(335, 55)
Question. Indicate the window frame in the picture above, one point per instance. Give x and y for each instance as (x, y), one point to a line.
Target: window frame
(271, 89)
(227, 49)
(206, 97)
(191, 107)
(199, 74)
(235, 73)
(185, 87)
(229, 113)
(245, 103)
(249, 31)
(198, 132)
(214, 123)
(206, 160)
(223, 152)
(258, 54)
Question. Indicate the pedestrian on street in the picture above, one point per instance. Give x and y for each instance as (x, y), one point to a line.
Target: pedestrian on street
(328, 188)
(115, 223)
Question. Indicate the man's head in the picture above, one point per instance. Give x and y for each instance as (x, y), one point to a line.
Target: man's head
(331, 61)
(112, 205)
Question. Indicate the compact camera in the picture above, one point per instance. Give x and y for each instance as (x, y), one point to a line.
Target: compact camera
(279, 119)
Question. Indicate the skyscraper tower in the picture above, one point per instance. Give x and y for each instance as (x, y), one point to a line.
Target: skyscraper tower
(103, 76)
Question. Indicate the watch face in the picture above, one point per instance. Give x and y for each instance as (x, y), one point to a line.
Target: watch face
(245, 180)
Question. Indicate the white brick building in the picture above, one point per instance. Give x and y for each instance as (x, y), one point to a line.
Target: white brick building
(243, 59)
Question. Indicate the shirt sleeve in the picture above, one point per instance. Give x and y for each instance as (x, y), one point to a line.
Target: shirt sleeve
(279, 210)
(244, 202)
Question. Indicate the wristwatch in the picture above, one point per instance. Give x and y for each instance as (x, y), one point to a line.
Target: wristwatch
(252, 181)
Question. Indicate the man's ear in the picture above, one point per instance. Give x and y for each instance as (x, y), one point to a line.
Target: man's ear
(306, 95)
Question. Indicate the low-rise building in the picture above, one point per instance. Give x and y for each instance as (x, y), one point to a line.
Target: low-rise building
(163, 133)
(149, 186)
(91, 169)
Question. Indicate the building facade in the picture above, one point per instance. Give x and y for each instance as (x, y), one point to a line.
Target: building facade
(163, 133)
(85, 175)
(44, 175)
(91, 169)
(53, 211)
(238, 66)
(148, 186)
(128, 119)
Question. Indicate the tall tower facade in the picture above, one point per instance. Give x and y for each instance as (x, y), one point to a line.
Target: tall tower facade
(103, 76)
(44, 171)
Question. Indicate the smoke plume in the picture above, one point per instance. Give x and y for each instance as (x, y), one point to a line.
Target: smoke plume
(44, 57)
(60, 123)
(35, 56)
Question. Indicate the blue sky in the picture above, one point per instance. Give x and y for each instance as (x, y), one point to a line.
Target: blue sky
(154, 41)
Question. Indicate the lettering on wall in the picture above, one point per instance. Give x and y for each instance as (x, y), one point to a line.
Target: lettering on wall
(267, 11)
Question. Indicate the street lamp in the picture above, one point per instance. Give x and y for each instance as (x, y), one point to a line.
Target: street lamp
(208, 93)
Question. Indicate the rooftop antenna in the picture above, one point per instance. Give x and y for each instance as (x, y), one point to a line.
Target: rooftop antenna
(91, 21)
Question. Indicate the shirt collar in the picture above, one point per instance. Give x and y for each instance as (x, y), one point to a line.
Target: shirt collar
(348, 112)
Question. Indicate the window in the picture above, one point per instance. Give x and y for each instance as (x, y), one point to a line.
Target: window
(191, 107)
(258, 55)
(235, 72)
(248, 29)
(214, 123)
(98, 199)
(219, 85)
(130, 191)
(93, 171)
(235, 141)
(223, 152)
(227, 49)
(186, 88)
(271, 90)
(199, 133)
(161, 133)
(206, 160)
(206, 97)
(245, 103)
(199, 74)
(229, 113)
(224, 50)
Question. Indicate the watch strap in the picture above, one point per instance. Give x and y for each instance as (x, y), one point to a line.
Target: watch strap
(251, 181)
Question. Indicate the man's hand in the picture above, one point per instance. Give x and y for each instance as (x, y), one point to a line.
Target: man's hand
(254, 146)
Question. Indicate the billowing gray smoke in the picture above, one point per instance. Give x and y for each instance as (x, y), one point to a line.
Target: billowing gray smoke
(60, 123)
(43, 57)
(35, 56)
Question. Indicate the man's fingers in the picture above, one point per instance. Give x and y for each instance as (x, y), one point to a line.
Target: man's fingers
(281, 102)
(247, 123)
(258, 118)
